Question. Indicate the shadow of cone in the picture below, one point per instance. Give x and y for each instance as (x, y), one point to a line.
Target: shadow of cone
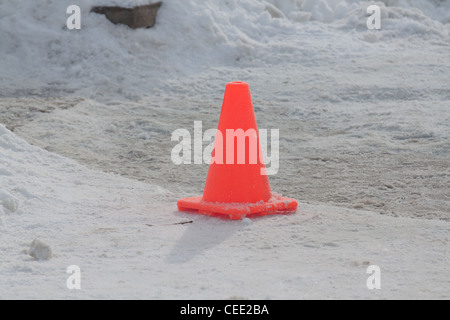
(237, 185)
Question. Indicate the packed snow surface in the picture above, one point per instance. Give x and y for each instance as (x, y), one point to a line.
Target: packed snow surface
(86, 177)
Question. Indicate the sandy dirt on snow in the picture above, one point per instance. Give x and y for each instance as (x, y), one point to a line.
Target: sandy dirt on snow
(355, 146)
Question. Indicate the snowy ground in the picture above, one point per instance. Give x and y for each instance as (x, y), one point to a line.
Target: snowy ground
(364, 147)
(98, 221)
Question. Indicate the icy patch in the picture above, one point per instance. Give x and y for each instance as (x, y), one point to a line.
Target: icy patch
(40, 251)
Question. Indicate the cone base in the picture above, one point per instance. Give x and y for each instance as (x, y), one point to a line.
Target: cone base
(236, 211)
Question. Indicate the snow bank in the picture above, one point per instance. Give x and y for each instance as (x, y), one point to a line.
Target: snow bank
(36, 182)
(40, 56)
(329, 11)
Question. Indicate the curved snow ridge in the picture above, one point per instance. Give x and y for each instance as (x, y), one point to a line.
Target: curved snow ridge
(34, 179)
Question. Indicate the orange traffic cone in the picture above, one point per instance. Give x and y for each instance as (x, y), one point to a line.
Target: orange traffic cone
(236, 185)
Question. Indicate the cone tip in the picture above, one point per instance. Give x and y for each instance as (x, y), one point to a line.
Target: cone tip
(237, 83)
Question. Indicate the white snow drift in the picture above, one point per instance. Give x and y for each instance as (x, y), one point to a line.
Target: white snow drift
(40, 56)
